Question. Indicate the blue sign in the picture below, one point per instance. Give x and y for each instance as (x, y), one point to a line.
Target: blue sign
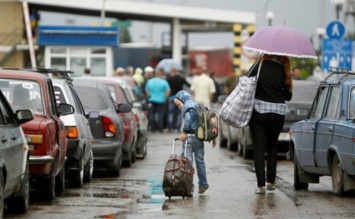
(335, 30)
(78, 35)
(337, 53)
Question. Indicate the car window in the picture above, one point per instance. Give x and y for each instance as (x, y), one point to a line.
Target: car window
(52, 100)
(352, 103)
(111, 87)
(91, 98)
(23, 94)
(5, 114)
(333, 108)
(318, 105)
(303, 93)
(78, 106)
(59, 95)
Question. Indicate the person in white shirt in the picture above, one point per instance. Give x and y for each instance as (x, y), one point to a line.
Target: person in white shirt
(203, 88)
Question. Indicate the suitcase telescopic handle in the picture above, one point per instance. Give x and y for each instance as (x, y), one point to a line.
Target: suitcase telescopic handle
(177, 139)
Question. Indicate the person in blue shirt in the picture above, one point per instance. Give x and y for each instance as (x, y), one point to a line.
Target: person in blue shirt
(195, 146)
(157, 91)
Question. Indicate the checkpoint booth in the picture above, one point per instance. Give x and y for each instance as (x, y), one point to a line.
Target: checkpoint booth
(76, 48)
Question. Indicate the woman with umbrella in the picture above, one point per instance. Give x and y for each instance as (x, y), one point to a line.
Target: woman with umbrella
(274, 87)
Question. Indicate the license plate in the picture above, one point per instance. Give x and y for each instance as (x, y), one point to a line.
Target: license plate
(284, 136)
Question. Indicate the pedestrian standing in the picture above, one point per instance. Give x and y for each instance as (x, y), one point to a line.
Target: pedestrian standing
(203, 88)
(274, 86)
(214, 101)
(195, 147)
(157, 90)
(176, 82)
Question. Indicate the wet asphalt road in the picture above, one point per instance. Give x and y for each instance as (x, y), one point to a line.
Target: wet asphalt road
(137, 192)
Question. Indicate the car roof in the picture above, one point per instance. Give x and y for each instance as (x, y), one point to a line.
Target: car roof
(22, 74)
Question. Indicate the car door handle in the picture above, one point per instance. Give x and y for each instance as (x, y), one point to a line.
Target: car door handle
(330, 129)
(3, 139)
(13, 137)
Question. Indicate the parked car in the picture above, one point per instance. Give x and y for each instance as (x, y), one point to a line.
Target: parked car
(14, 167)
(323, 143)
(80, 163)
(139, 108)
(105, 124)
(45, 134)
(130, 120)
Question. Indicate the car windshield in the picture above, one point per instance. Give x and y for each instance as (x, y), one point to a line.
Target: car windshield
(23, 94)
(303, 92)
(91, 98)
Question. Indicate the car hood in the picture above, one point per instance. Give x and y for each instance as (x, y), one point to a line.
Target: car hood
(33, 125)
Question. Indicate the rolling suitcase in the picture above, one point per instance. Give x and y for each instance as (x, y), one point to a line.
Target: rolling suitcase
(178, 175)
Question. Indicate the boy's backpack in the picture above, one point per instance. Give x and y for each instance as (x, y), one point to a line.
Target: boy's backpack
(207, 123)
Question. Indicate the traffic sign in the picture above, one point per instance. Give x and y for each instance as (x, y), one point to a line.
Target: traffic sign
(335, 30)
(337, 53)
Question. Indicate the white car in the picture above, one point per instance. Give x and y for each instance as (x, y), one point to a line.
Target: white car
(80, 163)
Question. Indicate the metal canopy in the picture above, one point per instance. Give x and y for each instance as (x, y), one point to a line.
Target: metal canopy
(191, 19)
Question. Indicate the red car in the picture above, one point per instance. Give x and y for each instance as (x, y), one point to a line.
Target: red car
(46, 135)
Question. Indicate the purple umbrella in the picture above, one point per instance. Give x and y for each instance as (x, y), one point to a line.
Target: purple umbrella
(281, 40)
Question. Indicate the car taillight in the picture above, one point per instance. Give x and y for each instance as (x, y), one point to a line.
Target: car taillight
(34, 140)
(109, 127)
(72, 132)
(136, 117)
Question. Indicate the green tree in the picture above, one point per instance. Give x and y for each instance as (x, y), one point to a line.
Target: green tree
(125, 36)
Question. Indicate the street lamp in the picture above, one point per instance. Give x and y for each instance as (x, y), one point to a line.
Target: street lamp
(320, 33)
(338, 5)
(269, 16)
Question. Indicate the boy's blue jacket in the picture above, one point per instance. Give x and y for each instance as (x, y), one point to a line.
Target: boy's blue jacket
(190, 116)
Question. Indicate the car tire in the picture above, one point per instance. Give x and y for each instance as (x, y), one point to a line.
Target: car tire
(46, 187)
(296, 170)
(20, 201)
(89, 168)
(60, 182)
(337, 176)
(76, 178)
(128, 163)
(134, 155)
(247, 153)
(2, 182)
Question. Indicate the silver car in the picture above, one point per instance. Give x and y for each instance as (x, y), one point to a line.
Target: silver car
(80, 164)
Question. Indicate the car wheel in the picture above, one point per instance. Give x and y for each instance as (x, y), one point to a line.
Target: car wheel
(19, 202)
(2, 182)
(46, 187)
(337, 176)
(89, 168)
(247, 153)
(77, 177)
(128, 163)
(296, 170)
(145, 148)
(60, 182)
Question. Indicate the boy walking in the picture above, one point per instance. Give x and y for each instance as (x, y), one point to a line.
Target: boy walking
(195, 146)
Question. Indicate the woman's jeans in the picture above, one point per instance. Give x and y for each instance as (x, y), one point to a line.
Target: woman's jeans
(265, 129)
(195, 149)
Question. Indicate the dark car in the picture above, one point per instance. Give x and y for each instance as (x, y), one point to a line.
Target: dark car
(105, 124)
(46, 134)
(14, 167)
(80, 163)
(323, 143)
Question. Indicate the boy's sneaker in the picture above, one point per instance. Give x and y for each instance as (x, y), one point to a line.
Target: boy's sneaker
(202, 189)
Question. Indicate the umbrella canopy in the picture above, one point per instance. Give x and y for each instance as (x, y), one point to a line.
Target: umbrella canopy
(168, 64)
(281, 40)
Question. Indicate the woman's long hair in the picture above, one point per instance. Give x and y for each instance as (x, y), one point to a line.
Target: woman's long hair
(285, 61)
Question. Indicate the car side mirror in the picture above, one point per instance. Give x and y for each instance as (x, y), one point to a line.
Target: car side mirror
(123, 108)
(66, 109)
(23, 116)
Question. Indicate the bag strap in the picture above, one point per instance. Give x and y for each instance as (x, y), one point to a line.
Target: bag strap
(257, 75)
